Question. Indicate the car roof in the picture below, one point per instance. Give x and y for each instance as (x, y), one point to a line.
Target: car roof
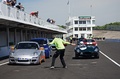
(28, 42)
(39, 38)
(50, 39)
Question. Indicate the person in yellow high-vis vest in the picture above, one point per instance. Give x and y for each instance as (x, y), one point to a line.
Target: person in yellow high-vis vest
(60, 50)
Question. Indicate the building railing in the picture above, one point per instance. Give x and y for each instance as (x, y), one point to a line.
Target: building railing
(14, 14)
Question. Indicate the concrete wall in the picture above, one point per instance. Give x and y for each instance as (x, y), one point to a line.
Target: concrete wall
(4, 51)
(107, 34)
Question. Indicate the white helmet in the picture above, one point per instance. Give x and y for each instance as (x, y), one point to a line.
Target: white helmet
(81, 42)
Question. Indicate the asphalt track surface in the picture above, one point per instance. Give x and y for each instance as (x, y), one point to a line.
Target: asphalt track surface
(106, 67)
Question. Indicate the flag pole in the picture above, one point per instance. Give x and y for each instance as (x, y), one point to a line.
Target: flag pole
(91, 9)
(69, 8)
(68, 3)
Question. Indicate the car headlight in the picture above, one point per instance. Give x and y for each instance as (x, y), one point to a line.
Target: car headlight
(78, 50)
(11, 54)
(96, 50)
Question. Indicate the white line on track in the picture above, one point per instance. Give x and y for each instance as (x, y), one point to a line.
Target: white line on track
(4, 63)
(110, 59)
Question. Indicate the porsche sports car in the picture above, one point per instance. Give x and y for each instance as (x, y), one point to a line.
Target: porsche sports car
(27, 52)
(86, 50)
(44, 42)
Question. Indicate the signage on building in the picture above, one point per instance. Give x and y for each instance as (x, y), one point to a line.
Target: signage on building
(84, 17)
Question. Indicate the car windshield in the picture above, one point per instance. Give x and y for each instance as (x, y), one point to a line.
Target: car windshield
(40, 42)
(26, 46)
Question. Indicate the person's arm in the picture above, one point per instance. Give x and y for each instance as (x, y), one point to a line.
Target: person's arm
(65, 42)
(52, 42)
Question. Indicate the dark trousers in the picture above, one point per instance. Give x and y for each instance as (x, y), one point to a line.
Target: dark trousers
(59, 53)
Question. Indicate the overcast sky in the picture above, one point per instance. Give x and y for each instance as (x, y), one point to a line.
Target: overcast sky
(105, 11)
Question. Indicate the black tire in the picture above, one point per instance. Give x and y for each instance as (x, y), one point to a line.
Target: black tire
(97, 56)
(10, 63)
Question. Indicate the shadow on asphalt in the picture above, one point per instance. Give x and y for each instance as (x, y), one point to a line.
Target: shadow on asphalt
(23, 64)
(55, 67)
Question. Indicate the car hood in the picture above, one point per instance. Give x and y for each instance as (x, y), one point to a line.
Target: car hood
(86, 48)
(28, 52)
(90, 49)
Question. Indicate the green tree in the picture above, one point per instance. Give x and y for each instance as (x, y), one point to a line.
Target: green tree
(110, 26)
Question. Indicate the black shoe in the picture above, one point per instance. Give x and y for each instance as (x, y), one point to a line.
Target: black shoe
(65, 67)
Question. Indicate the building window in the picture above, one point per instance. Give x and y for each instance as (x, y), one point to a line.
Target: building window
(93, 21)
(76, 28)
(82, 35)
(88, 28)
(76, 22)
(82, 22)
(76, 35)
(88, 22)
(89, 35)
(82, 28)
